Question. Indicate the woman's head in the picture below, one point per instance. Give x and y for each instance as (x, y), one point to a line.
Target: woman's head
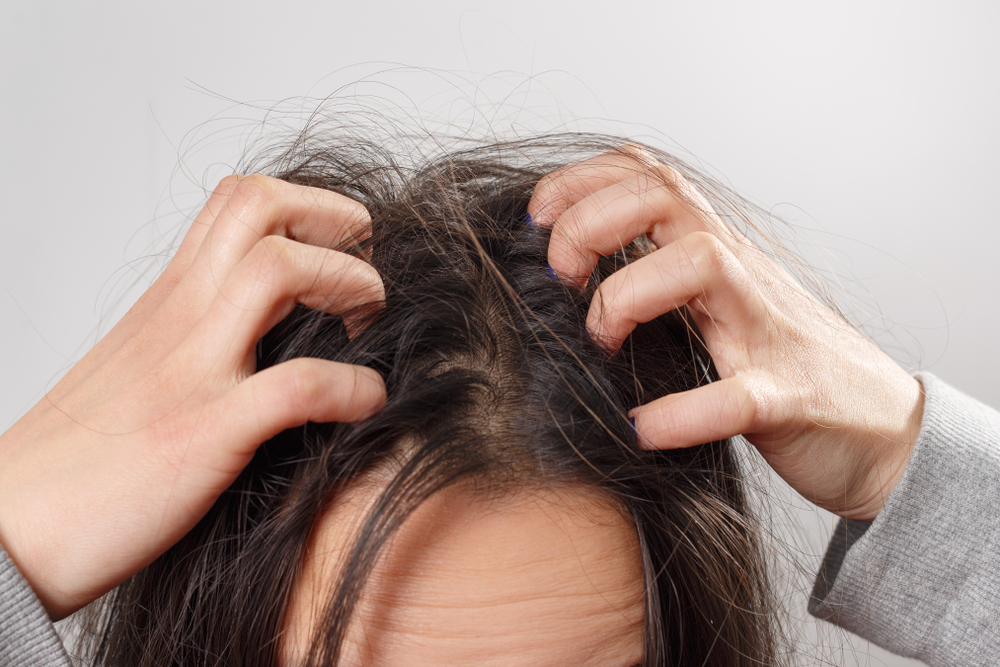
(502, 482)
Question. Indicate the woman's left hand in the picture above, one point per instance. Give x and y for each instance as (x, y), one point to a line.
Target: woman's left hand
(828, 410)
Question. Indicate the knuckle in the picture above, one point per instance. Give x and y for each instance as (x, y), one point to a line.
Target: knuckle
(226, 186)
(637, 153)
(546, 182)
(706, 253)
(303, 386)
(258, 182)
(751, 400)
(659, 177)
(274, 245)
(666, 174)
(270, 258)
(252, 192)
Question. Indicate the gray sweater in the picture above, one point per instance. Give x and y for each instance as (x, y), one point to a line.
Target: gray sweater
(922, 580)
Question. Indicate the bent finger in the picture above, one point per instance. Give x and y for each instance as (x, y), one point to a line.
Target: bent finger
(272, 279)
(697, 270)
(295, 392)
(560, 189)
(658, 203)
(258, 207)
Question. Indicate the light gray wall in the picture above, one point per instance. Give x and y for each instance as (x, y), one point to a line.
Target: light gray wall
(874, 123)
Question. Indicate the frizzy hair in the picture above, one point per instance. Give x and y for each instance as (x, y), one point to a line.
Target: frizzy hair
(493, 381)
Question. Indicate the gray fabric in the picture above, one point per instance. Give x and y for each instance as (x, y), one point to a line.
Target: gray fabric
(27, 638)
(923, 579)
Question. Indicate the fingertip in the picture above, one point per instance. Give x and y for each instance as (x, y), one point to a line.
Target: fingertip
(371, 392)
(593, 335)
(570, 269)
(651, 432)
(606, 332)
(362, 227)
(539, 207)
(638, 427)
(539, 217)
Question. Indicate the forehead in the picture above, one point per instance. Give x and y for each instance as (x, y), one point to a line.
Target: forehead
(541, 579)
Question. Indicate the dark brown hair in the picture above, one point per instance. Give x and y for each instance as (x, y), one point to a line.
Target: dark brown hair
(491, 379)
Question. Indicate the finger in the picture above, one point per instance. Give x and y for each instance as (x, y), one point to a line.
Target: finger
(722, 409)
(257, 207)
(656, 203)
(252, 207)
(697, 270)
(261, 206)
(276, 275)
(562, 188)
(295, 392)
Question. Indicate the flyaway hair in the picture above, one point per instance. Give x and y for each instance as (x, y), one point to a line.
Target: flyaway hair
(492, 382)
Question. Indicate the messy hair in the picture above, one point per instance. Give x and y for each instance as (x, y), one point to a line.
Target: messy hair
(492, 380)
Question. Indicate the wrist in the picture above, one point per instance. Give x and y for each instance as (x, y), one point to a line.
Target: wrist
(889, 456)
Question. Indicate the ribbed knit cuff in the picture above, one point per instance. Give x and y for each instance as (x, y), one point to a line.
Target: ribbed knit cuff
(923, 579)
(27, 637)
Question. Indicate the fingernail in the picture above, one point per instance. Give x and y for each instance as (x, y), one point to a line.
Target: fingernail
(550, 273)
(586, 335)
(529, 221)
(631, 420)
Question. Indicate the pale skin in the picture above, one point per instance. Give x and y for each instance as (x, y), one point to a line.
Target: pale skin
(541, 578)
(132, 447)
(828, 410)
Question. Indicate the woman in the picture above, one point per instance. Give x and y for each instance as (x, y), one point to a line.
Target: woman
(166, 412)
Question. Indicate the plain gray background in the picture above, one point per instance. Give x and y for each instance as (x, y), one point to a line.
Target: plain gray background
(872, 125)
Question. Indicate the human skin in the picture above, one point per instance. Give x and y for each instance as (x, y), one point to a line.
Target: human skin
(131, 448)
(827, 409)
(540, 578)
(136, 442)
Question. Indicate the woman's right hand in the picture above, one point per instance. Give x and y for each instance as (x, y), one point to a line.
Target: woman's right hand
(132, 447)
(828, 410)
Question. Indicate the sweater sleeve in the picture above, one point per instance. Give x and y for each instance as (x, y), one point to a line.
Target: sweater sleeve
(27, 637)
(923, 579)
